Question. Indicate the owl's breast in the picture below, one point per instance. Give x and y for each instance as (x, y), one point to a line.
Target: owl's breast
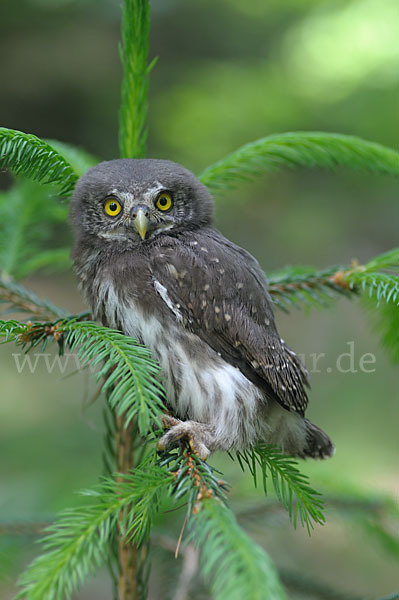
(130, 308)
(120, 290)
(199, 384)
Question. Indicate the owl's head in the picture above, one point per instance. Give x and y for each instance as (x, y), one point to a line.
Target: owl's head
(137, 199)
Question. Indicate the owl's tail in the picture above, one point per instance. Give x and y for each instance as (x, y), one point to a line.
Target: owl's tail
(318, 443)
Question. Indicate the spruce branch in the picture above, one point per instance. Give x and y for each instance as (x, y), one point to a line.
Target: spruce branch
(193, 478)
(122, 506)
(379, 277)
(381, 286)
(134, 52)
(299, 149)
(77, 543)
(378, 282)
(296, 286)
(291, 487)
(293, 287)
(27, 155)
(234, 565)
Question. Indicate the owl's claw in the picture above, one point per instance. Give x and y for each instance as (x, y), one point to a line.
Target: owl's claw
(198, 435)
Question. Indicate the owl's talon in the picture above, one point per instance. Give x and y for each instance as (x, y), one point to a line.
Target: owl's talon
(198, 435)
(199, 448)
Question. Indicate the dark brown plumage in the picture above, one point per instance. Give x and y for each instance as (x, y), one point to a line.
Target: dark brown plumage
(151, 264)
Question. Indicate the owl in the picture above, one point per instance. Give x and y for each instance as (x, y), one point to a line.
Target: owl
(151, 264)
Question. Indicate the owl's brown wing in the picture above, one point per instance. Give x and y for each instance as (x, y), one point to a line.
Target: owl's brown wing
(220, 293)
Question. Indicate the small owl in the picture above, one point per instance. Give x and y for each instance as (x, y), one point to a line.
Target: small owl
(151, 264)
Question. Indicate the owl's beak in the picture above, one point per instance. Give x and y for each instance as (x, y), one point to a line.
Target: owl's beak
(141, 223)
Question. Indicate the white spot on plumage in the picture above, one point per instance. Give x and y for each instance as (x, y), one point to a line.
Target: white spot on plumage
(163, 292)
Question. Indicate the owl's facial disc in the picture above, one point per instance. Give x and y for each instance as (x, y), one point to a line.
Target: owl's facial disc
(143, 213)
(108, 197)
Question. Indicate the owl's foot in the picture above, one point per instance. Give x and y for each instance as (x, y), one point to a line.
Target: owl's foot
(198, 435)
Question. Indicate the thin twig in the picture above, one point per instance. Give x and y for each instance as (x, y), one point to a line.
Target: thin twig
(322, 283)
(180, 537)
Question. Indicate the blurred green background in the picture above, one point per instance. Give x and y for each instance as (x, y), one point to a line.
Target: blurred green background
(228, 72)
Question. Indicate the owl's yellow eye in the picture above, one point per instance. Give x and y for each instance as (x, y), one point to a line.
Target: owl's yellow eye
(112, 207)
(164, 201)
